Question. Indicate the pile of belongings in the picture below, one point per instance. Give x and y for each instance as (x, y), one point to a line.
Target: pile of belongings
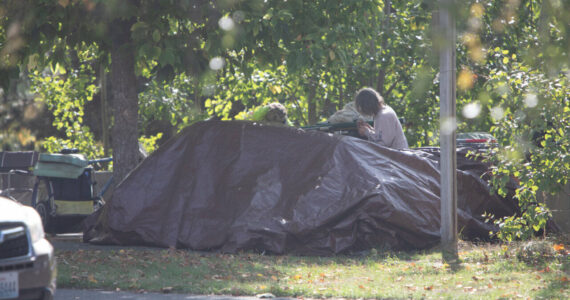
(245, 186)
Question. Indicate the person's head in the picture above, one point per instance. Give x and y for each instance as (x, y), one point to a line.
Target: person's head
(277, 113)
(368, 102)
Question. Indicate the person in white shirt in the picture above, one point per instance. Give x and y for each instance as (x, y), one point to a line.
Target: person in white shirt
(387, 130)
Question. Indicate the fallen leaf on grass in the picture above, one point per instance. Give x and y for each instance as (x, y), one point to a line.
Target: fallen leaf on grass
(545, 270)
(411, 287)
(217, 277)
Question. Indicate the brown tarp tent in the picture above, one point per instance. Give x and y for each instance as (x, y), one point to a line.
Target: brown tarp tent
(231, 186)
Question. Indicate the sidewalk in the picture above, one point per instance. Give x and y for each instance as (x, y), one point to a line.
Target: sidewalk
(69, 294)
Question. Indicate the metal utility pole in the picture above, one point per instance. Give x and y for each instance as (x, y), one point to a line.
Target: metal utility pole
(448, 160)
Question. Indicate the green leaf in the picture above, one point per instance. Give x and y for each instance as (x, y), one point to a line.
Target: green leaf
(156, 35)
(167, 57)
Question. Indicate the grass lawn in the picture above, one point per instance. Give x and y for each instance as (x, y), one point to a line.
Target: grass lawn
(528, 270)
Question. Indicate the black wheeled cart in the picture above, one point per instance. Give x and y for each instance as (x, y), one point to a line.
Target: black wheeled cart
(64, 193)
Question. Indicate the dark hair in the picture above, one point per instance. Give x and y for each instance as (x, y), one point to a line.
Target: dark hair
(368, 101)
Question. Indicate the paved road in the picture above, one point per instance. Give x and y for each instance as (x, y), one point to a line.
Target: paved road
(68, 294)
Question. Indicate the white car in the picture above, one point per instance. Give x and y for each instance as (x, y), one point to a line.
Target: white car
(27, 261)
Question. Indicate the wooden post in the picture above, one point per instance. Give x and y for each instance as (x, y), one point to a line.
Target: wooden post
(448, 162)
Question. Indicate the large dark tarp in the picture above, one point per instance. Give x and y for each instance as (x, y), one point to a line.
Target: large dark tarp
(234, 186)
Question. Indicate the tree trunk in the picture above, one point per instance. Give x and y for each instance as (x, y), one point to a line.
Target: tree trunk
(340, 95)
(125, 101)
(105, 120)
(312, 102)
(384, 44)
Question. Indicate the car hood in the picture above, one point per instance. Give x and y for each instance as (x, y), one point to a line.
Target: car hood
(12, 211)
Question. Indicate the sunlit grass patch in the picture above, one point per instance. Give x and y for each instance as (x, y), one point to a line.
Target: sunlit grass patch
(486, 271)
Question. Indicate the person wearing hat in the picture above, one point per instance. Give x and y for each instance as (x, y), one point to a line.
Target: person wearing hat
(387, 130)
(272, 114)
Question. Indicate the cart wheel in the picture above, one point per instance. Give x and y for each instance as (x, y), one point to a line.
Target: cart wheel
(98, 203)
(43, 210)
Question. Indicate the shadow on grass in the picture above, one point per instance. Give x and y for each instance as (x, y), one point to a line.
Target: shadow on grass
(557, 287)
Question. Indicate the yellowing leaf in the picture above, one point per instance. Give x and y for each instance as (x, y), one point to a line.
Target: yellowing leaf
(465, 80)
(477, 10)
(92, 279)
(275, 89)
